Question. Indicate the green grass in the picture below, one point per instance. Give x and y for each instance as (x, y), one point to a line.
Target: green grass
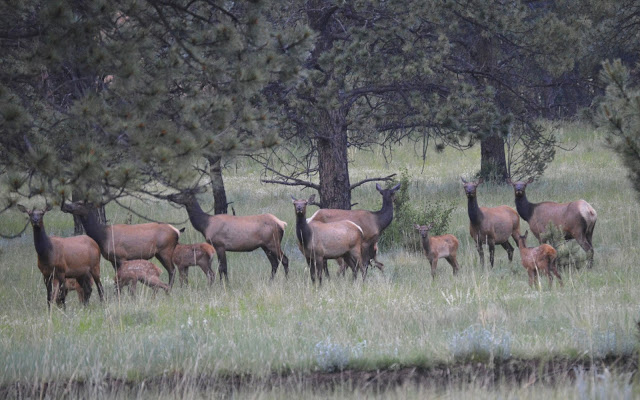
(257, 327)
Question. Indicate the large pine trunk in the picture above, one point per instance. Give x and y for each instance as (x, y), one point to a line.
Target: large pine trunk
(217, 185)
(493, 162)
(333, 163)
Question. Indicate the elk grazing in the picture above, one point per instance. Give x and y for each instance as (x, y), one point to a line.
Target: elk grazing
(371, 222)
(490, 226)
(122, 242)
(319, 241)
(436, 247)
(541, 258)
(133, 271)
(576, 219)
(75, 257)
(237, 233)
(200, 254)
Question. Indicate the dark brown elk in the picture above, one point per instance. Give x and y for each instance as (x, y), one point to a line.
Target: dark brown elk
(133, 271)
(319, 241)
(371, 222)
(490, 225)
(75, 257)
(576, 219)
(436, 247)
(122, 242)
(237, 233)
(200, 254)
(538, 259)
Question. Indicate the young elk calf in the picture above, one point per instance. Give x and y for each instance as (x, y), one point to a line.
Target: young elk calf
(541, 258)
(435, 247)
(186, 255)
(130, 272)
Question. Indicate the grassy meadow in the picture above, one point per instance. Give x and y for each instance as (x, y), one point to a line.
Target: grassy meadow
(242, 339)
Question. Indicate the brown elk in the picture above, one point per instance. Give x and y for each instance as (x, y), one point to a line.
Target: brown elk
(538, 259)
(319, 241)
(436, 247)
(75, 257)
(122, 242)
(490, 226)
(576, 219)
(237, 233)
(200, 254)
(371, 222)
(133, 271)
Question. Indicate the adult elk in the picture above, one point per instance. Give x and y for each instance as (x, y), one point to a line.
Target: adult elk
(541, 258)
(122, 242)
(237, 233)
(200, 254)
(576, 219)
(372, 223)
(436, 247)
(490, 225)
(319, 241)
(59, 258)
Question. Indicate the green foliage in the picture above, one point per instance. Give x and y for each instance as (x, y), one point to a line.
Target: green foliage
(401, 232)
(570, 254)
(476, 343)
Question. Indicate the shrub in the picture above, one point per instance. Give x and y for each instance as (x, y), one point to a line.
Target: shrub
(479, 344)
(569, 252)
(401, 231)
(335, 357)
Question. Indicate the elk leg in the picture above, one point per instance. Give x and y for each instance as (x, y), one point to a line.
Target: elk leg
(312, 269)
(507, 246)
(325, 268)
(58, 290)
(205, 266)
(84, 285)
(48, 281)
(532, 274)
(165, 260)
(273, 260)
(588, 248)
(319, 270)
(434, 265)
(285, 263)
(222, 264)
(454, 263)
(155, 283)
(183, 274)
(343, 266)
(492, 252)
(554, 269)
(96, 279)
(480, 252)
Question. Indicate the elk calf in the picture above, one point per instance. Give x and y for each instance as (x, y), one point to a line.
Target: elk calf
(435, 247)
(186, 255)
(541, 258)
(130, 272)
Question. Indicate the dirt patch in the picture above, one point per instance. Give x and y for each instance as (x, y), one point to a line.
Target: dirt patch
(511, 372)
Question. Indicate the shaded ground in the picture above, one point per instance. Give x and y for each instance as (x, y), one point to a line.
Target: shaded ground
(512, 372)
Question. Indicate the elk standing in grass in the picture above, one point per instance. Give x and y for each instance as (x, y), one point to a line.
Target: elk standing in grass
(75, 257)
(371, 222)
(435, 247)
(576, 219)
(319, 241)
(122, 242)
(237, 233)
(538, 259)
(200, 254)
(133, 271)
(490, 226)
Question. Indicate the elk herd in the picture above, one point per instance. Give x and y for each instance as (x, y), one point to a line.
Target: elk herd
(348, 236)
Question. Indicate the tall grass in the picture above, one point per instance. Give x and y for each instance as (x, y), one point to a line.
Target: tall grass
(258, 327)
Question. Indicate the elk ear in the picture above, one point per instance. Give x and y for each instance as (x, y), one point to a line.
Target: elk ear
(395, 188)
(525, 233)
(530, 180)
(311, 198)
(416, 226)
(22, 208)
(463, 181)
(47, 208)
(480, 181)
(293, 198)
(430, 226)
(509, 180)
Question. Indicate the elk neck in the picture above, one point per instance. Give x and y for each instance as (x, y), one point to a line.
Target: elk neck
(43, 244)
(303, 231)
(384, 216)
(199, 219)
(95, 229)
(475, 214)
(524, 207)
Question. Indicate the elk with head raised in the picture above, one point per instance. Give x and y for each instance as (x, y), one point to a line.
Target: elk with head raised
(436, 247)
(237, 233)
(490, 225)
(319, 241)
(576, 219)
(133, 271)
(75, 257)
(372, 223)
(122, 242)
(200, 254)
(538, 259)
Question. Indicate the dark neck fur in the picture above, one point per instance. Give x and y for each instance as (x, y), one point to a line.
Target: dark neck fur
(426, 245)
(43, 244)
(199, 219)
(303, 232)
(525, 209)
(385, 215)
(95, 229)
(475, 215)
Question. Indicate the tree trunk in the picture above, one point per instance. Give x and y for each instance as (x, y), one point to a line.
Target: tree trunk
(78, 229)
(217, 185)
(493, 162)
(333, 166)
